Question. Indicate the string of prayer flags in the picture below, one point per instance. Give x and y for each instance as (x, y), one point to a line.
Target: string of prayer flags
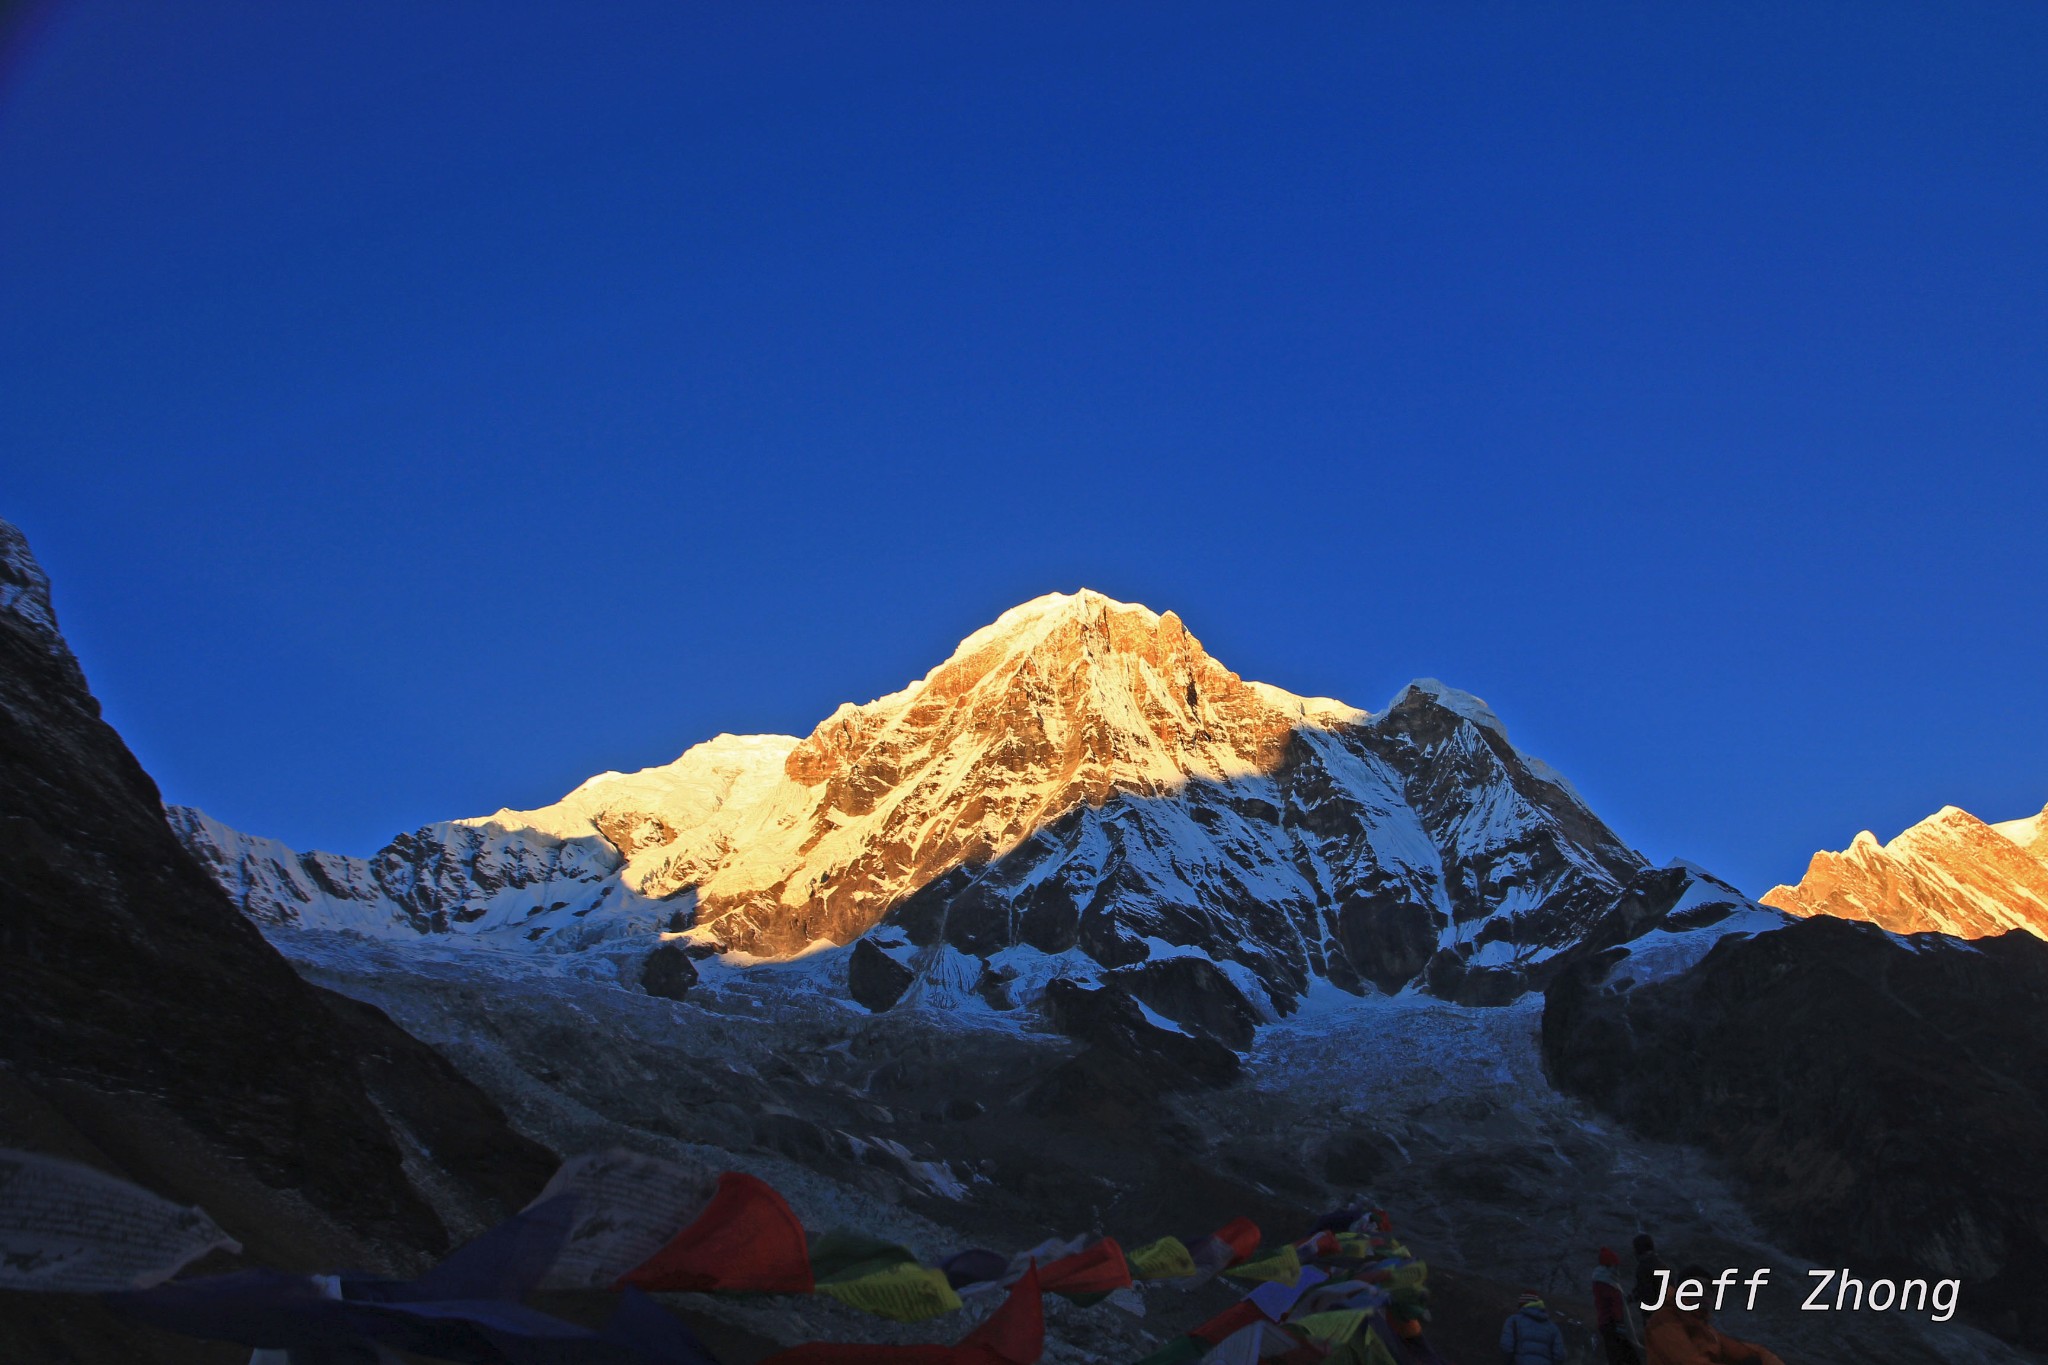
(1235, 1241)
(739, 1236)
(1013, 1335)
(1277, 1298)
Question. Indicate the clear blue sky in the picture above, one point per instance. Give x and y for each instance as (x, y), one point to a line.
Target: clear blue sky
(424, 406)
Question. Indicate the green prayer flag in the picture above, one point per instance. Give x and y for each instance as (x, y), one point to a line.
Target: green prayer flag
(1332, 1328)
(1283, 1267)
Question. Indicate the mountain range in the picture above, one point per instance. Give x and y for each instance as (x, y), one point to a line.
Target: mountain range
(1205, 949)
(1079, 789)
(1950, 874)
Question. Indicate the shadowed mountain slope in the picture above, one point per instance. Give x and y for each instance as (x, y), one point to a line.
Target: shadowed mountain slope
(1884, 1098)
(147, 1028)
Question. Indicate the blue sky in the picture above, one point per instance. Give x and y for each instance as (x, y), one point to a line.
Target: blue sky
(423, 407)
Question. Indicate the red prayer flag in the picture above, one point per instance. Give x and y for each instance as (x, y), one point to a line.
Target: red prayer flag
(1098, 1268)
(1015, 1333)
(1322, 1244)
(1229, 1322)
(746, 1239)
(1241, 1235)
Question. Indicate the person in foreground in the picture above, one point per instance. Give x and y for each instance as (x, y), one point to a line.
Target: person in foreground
(1529, 1337)
(1688, 1337)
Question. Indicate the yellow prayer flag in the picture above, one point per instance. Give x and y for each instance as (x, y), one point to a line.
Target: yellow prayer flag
(1165, 1259)
(902, 1293)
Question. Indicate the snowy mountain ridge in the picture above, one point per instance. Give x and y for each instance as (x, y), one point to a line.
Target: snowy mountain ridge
(1952, 873)
(1078, 782)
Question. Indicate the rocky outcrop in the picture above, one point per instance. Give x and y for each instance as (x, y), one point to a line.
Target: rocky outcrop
(1886, 1099)
(668, 972)
(1128, 1061)
(147, 1028)
(1951, 874)
(874, 978)
(1109, 1017)
(1194, 993)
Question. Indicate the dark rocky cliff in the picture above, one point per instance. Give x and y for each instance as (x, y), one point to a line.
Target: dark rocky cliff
(145, 1026)
(1885, 1099)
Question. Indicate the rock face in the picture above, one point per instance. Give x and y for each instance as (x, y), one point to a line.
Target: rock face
(1079, 787)
(668, 972)
(1128, 1059)
(146, 1027)
(1886, 1099)
(1951, 873)
(875, 978)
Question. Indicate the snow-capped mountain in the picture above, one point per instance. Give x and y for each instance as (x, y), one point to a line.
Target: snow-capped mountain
(1951, 873)
(1080, 783)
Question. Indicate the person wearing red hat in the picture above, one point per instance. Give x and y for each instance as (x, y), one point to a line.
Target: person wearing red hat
(1610, 1312)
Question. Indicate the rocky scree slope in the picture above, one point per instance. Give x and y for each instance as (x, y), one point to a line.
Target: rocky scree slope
(1950, 874)
(1079, 788)
(147, 1028)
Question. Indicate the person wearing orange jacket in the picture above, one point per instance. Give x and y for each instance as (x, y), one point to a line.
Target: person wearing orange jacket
(1677, 1336)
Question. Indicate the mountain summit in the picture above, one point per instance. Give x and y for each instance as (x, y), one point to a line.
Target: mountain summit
(1080, 788)
(1951, 873)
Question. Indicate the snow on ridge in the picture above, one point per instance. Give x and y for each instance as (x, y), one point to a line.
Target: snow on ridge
(24, 587)
(1324, 713)
(1458, 703)
(1950, 873)
(1468, 707)
(2030, 832)
(1194, 795)
(1041, 613)
(25, 596)
(706, 776)
(1665, 952)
